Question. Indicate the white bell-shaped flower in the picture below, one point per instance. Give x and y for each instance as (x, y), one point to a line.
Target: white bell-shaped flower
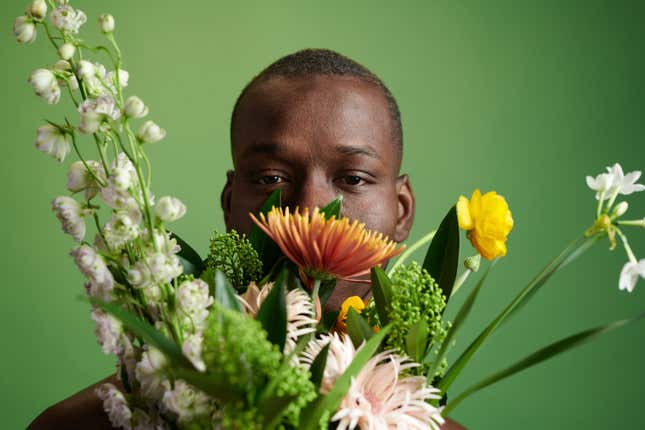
(24, 29)
(151, 132)
(170, 209)
(52, 141)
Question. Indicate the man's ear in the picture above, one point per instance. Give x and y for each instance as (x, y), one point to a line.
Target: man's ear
(225, 198)
(406, 206)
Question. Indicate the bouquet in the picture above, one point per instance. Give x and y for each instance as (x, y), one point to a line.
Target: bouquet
(239, 339)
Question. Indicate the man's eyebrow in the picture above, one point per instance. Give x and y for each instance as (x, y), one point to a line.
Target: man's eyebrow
(263, 148)
(357, 150)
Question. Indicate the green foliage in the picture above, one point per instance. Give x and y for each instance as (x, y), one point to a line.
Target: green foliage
(415, 297)
(234, 256)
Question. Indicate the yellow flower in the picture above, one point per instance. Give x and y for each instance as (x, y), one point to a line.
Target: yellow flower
(488, 221)
(350, 302)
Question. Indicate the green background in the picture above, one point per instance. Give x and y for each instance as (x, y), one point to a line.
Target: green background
(525, 98)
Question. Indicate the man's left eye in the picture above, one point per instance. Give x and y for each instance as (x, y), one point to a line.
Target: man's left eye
(352, 180)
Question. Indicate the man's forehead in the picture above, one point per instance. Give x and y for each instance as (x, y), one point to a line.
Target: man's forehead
(349, 115)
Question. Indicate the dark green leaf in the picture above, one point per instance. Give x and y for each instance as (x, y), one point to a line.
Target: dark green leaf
(222, 290)
(145, 331)
(357, 328)
(520, 299)
(317, 368)
(273, 312)
(416, 340)
(382, 292)
(541, 355)
(326, 288)
(443, 254)
(333, 208)
(189, 258)
(328, 321)
(310, 416)
(463, 313)
(210, 383)
(272, 410)
(267, 250)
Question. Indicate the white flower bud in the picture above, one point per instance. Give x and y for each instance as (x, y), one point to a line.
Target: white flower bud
(106, 23)
(170, 209)
(151, 132)
(70, 214)
(124, 77)
(135, 108)
(37, 9)
(24, 29)
(85, 69)
(67, 19)
(52, 141)
(66, 50)
(620, 209)
(62, 66)
(45, 85)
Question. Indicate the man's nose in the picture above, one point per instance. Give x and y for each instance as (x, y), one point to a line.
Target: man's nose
(311, 191)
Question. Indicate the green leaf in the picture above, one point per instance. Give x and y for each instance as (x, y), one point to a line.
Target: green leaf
(357, 328)
(443, 254)
(382, 292)
(317, 368)
(273, 408)
(273, 312)
(328, 321)
(210, 383)
(417, 339)
(267, 250)
(145, 331)
(541, 355)
(326, 288)
(520, 299)
(222, 290)
(333, 208)
(463, 313)
(310, 416)
(188, 257)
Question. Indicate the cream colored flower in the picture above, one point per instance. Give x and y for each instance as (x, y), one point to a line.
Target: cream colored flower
(52, 141)
(45, 85)
(66, 51)
(170, 209)
(632, 270)
(70, 214)
(37, 10)
(106, 23)
(24, 29)
(134, 107)
(151, 132)
(67, 19)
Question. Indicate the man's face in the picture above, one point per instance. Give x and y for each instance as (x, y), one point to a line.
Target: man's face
(316, 138)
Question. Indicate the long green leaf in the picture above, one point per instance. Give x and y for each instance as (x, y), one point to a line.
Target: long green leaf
(357, 328)
(463, 313)
(273, 312)
(310, 416)
(317, 368)
(443, 254)
(267, 250)
(382, 293)
(417, 339)
(333, 208)
(210, 383)
(520, 299)
(222, 290)
(188, 257)
(145, 331)
(541, 355)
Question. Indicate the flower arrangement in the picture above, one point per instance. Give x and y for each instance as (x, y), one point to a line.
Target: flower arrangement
(239, 339)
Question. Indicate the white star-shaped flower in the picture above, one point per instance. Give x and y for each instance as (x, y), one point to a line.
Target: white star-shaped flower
(630, 273)
(615, 182)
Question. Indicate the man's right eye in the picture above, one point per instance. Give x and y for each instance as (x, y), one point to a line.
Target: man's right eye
(271, 180)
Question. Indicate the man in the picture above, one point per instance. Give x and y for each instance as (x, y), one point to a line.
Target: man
(314, 124)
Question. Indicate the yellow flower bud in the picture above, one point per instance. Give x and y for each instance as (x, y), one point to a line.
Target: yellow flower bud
(350, 302)
(488, 221)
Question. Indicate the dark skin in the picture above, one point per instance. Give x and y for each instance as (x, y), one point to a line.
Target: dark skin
(314, 138)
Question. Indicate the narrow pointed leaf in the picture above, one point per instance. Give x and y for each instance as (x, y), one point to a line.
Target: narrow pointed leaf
(463, 313)
(210, 383)
(333, 208)
(222, 290)
(145, 331)
(188, 257)
(317, 368)
(520, 299)
(273, 312)
(267, 250)
(310, 416)
(382, 293)
(357, 328)
(541, 355)
(416, 340)
(443, 254)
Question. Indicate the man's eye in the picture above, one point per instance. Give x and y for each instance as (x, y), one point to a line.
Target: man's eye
(352, 180)
(271, 179)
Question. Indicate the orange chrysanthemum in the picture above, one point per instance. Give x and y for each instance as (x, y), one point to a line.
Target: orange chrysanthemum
(324, 248)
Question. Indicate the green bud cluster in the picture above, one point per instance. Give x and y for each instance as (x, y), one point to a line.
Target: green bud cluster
(234, 256)
(296, 382)
(415, 296)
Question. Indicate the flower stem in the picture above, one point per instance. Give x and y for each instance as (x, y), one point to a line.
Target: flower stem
(416, 245)
(460, 281)
(633, 222)
(90, 171)
(601, 200)
(628, 249)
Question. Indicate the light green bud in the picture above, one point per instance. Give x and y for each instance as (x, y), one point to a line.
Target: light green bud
(472, 263)
(66, 51)
(106, 23)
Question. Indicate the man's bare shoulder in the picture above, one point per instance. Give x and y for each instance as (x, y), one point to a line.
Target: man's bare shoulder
(82, 410)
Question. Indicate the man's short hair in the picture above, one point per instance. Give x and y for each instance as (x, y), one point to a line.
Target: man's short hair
(311, 62)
